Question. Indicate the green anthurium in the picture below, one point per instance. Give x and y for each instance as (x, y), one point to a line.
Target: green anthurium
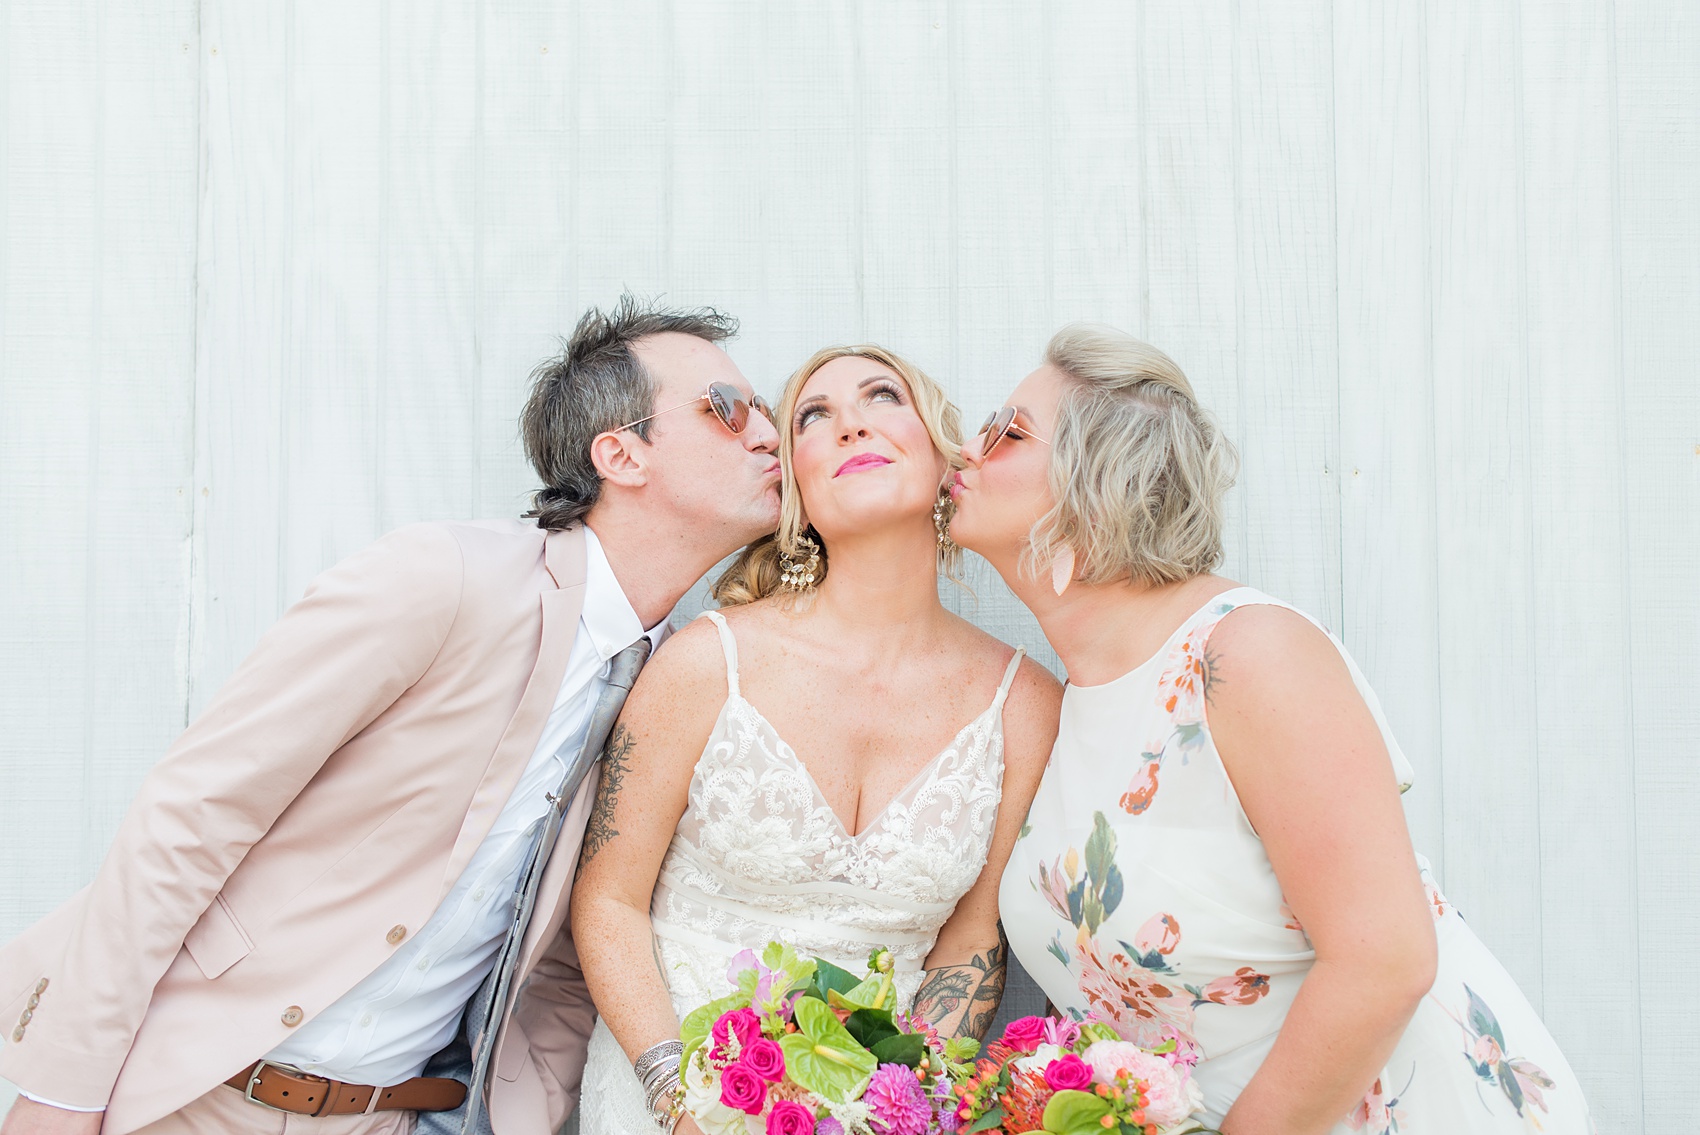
(1075, 1113)
(901, 1048)
(869, 1027)
(823, 1057)
(699, 1022)
(874, 992)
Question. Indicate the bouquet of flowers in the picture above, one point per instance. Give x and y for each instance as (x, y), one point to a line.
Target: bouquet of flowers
(804, 1047)
(1053, 1076)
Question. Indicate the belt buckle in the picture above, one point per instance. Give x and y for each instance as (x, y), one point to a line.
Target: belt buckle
(254, 1081)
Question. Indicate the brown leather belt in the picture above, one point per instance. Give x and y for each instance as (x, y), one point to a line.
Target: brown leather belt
(284, 1089)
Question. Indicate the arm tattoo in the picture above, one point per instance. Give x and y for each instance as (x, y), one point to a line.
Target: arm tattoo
(1212, 671)
(616, 761)
(963, 1000)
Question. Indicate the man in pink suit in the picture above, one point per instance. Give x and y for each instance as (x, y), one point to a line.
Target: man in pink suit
(341, 896)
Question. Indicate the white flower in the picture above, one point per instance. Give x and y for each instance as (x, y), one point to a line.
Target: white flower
(1170, 1095)
(1040, 1057)
(702, 1099)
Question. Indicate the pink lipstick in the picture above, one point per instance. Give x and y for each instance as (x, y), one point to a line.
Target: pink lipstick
(860, 462)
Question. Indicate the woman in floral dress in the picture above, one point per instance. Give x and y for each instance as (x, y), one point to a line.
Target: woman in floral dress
(1217, 852)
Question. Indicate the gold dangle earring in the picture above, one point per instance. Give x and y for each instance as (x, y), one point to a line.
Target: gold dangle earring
(950, 553)
(799, 567)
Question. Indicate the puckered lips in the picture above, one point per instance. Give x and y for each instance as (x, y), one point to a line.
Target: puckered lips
(862, 462)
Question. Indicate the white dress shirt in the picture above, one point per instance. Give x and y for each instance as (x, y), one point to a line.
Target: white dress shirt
(386, 1028)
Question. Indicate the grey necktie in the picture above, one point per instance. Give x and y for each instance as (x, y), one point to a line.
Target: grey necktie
(487, 1009)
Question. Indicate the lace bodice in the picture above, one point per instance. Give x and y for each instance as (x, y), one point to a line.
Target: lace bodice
(760, 855)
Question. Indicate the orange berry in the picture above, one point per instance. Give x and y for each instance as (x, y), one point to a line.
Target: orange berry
(1103, 1091)
(1107, 1121)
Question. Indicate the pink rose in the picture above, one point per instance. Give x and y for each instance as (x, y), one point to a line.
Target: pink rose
(1160, 933)
(1068, 1074)
(789, 1117)
(1024, 1034)
(742, 1090)
(741, 1023)
(766, 1059)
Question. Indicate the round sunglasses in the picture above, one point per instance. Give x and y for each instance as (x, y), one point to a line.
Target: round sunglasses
(727, 402)
(999, 425)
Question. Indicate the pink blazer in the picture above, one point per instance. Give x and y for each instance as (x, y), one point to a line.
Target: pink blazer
(316, 813)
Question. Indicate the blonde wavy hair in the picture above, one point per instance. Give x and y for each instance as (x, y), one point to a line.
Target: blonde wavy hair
(1138, 468)
(755, 573)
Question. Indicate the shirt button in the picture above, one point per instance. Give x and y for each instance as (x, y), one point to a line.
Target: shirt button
(292, 1016)
(365, 1019)
(396, 934)
(478, 895)
(424, 964)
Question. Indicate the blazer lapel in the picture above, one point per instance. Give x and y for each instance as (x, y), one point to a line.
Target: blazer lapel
(563, 556)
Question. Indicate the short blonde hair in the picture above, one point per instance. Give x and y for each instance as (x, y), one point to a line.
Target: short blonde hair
(1138, 468)
(755, 573)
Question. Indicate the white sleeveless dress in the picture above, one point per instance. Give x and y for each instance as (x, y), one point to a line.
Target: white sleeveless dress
(1139, 893)
(760, 856)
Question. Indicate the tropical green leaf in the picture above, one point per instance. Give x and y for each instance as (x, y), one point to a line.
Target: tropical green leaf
(904, 1048)
(991, 1119)
(823, 1057)
(870, 1026)
(1076, 1113)
(699, 1022)
(960, 1049)
(829, 977)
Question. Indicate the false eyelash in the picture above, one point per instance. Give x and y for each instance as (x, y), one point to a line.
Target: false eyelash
(886, 386)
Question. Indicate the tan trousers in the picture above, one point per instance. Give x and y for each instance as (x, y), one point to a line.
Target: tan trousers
(224, 1111)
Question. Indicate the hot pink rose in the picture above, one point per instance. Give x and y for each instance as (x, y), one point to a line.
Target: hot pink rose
(789, 1117)
(741, 1023)
(765, 1058)
(1068, 1074)
(742, 1089)
(1024, 1034)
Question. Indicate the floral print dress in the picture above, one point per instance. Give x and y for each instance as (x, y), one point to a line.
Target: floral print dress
(1139, 894)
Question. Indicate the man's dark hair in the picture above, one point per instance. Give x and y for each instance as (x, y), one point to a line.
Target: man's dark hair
(595, 384)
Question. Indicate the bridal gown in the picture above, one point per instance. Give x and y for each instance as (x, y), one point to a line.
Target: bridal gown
(760, 856)
(1139, 893)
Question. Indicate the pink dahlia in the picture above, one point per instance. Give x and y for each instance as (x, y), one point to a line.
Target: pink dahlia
(897, 1102)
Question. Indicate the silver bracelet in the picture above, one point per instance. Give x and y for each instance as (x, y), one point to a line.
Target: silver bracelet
(654, 1055)
(659, 1087)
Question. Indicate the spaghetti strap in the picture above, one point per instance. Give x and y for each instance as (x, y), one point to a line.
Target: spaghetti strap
(729, 646)
(1009, 676)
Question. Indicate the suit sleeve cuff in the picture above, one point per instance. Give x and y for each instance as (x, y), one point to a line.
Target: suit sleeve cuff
(56, 1103)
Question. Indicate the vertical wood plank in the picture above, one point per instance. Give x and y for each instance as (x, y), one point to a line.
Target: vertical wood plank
(1489, 729)
(1657, 80)
(1580, 612)
(97, 207)
(1387, 524)
(1191, 225)
(1289, 368)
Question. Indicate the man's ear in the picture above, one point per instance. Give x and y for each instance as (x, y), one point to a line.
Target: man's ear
(621, 458)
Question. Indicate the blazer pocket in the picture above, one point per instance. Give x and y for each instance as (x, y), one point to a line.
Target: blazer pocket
(217, 941)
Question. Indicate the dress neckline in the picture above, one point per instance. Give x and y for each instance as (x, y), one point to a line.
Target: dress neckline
(814, 785)
(1162, 652)
(729, 647)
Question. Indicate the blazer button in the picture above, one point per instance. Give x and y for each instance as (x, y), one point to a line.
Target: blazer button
(292, 1016)
(26, 1016)
(396, 934)
(41, 987)
(35, 1000)
(17, 1034)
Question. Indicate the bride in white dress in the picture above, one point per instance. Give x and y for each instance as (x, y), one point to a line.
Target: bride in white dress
(836, 761)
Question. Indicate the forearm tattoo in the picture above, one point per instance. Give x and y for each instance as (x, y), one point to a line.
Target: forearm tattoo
(962, 1000)
(616, 762)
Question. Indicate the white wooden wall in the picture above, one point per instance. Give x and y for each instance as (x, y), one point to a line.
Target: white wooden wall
(273, 272)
